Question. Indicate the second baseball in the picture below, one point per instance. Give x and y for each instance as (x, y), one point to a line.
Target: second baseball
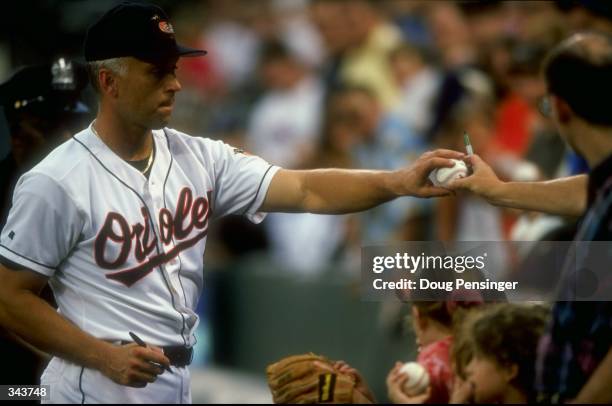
(443, 176)
(418, 378)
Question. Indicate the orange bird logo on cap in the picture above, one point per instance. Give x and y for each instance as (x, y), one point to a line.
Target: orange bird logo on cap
(166, 27)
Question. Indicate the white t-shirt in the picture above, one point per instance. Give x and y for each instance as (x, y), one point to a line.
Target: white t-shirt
(123, 252)
(286, 123)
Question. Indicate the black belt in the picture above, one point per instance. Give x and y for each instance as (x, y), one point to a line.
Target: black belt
(179, 355)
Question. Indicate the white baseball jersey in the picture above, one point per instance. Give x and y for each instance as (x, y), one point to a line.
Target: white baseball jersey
(123, 252)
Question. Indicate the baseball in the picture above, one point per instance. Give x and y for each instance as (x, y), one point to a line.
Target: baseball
(443, 176)
(418, 378)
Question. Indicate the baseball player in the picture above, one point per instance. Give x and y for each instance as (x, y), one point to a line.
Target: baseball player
(116, 220)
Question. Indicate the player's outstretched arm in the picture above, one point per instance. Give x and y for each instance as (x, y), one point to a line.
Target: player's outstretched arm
(337, 191)
(564, 196)
(34, 320)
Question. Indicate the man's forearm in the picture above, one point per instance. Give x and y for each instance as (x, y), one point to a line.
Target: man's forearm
(565, 196)
(32, 319)
(329, 191)
(338, 191)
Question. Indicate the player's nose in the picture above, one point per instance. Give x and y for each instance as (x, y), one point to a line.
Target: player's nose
(174, 85)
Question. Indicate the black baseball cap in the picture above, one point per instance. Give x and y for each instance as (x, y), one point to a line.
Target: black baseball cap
(140, 30)
(45, 90)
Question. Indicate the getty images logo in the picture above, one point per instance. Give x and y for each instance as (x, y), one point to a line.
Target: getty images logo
(412, 263)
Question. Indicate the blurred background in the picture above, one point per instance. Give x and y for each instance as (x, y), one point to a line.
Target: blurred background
(350, 84)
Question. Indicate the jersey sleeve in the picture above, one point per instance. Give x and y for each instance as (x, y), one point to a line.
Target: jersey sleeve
(241, 182)
(42, 227)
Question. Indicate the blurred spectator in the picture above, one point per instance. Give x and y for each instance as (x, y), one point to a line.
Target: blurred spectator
(232, 43)
(358, 38)
(284, 129)
(338, 138)
(331, 21)
(502, 342)
(486, 22)
(451, 35)
(419, 83)
(541, 144)
(517, 115)
(384, 142)
(536, 151)
(432, 323)
(410, 17)
(285, 122)
(534, 21)
(297, 31)
(366, 63)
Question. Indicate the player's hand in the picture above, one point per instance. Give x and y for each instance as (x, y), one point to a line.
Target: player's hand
(414, 180)
(132, 365)
(360, 383)
(396, 381)
(483, 181)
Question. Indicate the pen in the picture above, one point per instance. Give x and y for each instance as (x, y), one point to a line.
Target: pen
(141, 343)
(468, 145)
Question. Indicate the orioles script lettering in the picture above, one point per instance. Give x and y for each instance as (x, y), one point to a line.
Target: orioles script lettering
(191, 214)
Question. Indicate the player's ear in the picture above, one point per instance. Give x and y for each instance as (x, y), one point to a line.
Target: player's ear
(107, 81)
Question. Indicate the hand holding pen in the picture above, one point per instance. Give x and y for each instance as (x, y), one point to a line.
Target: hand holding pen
(141, 343)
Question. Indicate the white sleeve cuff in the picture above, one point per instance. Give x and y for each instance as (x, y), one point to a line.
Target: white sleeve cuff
(26, 262)
(252, 213)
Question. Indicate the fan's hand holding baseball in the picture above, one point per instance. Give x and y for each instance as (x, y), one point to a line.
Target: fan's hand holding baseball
(414, 180)
(482, 182)
(396, 381)
(132, 365)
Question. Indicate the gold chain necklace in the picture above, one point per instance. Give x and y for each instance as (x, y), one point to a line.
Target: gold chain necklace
(149, 162)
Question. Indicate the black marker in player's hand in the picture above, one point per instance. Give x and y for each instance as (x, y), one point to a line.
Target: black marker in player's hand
(141, 343)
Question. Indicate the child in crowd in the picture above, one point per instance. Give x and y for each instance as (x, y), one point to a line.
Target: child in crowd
(432, 322)
(494, 354)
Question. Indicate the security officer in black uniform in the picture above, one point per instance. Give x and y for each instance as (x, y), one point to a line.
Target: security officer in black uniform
(42, 105)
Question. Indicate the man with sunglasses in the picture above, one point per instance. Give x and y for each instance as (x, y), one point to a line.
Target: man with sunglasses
(575, 357)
